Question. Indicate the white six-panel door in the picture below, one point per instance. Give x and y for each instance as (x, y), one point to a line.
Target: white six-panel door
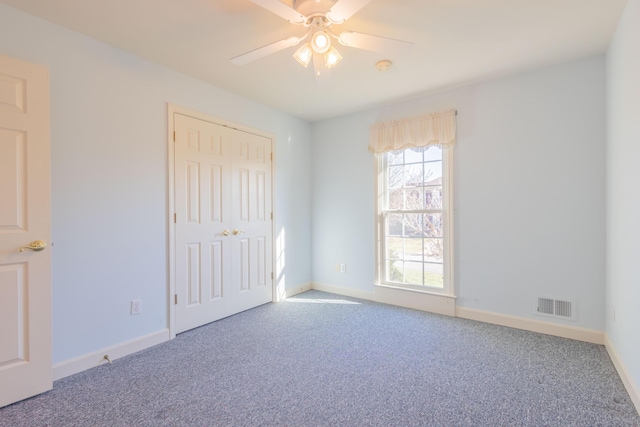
(223, 231)
(25, 276)
(251, 216)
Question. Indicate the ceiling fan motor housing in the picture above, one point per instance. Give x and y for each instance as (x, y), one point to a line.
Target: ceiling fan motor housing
(313, 7)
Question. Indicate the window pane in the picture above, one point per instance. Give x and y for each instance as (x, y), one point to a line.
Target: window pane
(413, 175)
(396, 198)
(395, 176)
(432, 225)
(434, 275)
(395, 248)
(394, 157)
(413, 273)
(433, 250)
(433, 198)
(413, 155)
(413, 249)
(433, 173)
(433, 153)
(413, 225)
(394, 225)
(395, 271)
(413, 198)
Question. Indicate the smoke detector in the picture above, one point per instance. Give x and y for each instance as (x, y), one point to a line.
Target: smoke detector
(383, 65)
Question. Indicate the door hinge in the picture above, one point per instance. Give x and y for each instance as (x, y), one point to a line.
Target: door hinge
(272, 157)
(175, 218)
(271, 216)
(272, 275)
(175, 299)
(174, 136)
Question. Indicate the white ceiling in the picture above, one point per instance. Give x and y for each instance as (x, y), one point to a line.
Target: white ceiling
(456, 42)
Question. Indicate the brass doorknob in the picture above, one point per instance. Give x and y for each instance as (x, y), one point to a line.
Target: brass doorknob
(36, 245)
(226, 232)
(236, 232)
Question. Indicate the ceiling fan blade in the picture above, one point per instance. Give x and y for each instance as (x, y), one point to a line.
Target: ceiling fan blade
(345, 9)
(282, 10)
(265, 50)
(374, 43)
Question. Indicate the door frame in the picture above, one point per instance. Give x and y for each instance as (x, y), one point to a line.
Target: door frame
(173, 109)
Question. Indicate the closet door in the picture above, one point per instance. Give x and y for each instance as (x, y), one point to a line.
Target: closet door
(251, 213)
(223, 233)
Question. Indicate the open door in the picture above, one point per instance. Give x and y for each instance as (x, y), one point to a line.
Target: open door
(25, 230)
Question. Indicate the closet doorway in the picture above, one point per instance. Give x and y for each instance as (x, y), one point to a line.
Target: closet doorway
(221, 219)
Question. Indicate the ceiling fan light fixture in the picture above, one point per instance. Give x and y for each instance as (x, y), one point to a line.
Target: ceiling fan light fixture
(303, 55)
(332, 57)
(320, 41)
(317, 16)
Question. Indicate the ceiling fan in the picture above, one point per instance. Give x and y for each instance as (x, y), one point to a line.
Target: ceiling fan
(318, 16)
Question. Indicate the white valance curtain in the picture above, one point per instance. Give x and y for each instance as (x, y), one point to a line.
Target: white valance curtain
(422, 131)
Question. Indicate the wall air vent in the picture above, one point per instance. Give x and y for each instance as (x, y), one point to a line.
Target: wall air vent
(560, 309)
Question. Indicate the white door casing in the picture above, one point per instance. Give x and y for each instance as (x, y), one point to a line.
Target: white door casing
(25, 217)
(222, 250)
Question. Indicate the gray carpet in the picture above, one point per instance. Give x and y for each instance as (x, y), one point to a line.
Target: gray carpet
(325, 360)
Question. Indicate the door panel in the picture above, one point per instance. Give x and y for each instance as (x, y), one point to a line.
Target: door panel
(261, 262)
(216, 270)
(25, 277)
(13, 177)
(194, 282)
(223, 226)
(13, 289)
(243, 263)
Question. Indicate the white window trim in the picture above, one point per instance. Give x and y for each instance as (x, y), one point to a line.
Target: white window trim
(447, 212)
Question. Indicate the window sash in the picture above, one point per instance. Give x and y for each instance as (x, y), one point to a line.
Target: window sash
(447, 216)
(423, 260)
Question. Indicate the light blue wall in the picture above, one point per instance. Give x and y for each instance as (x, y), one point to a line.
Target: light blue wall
(529, 191)
(343, 202)
(623, 197)
(109, 179)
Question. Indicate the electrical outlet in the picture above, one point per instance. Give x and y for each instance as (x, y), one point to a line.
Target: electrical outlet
(343, 268)
(136, 306)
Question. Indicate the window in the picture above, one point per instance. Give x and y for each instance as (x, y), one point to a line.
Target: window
(414, 218)
(414, 201)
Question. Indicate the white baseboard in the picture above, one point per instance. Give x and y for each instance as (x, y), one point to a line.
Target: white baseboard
(632, 388)
(347, 292)
(442, 304)
(281, 293)
(96, 358)
(288, 293)
(564, 331)
(395, 296)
